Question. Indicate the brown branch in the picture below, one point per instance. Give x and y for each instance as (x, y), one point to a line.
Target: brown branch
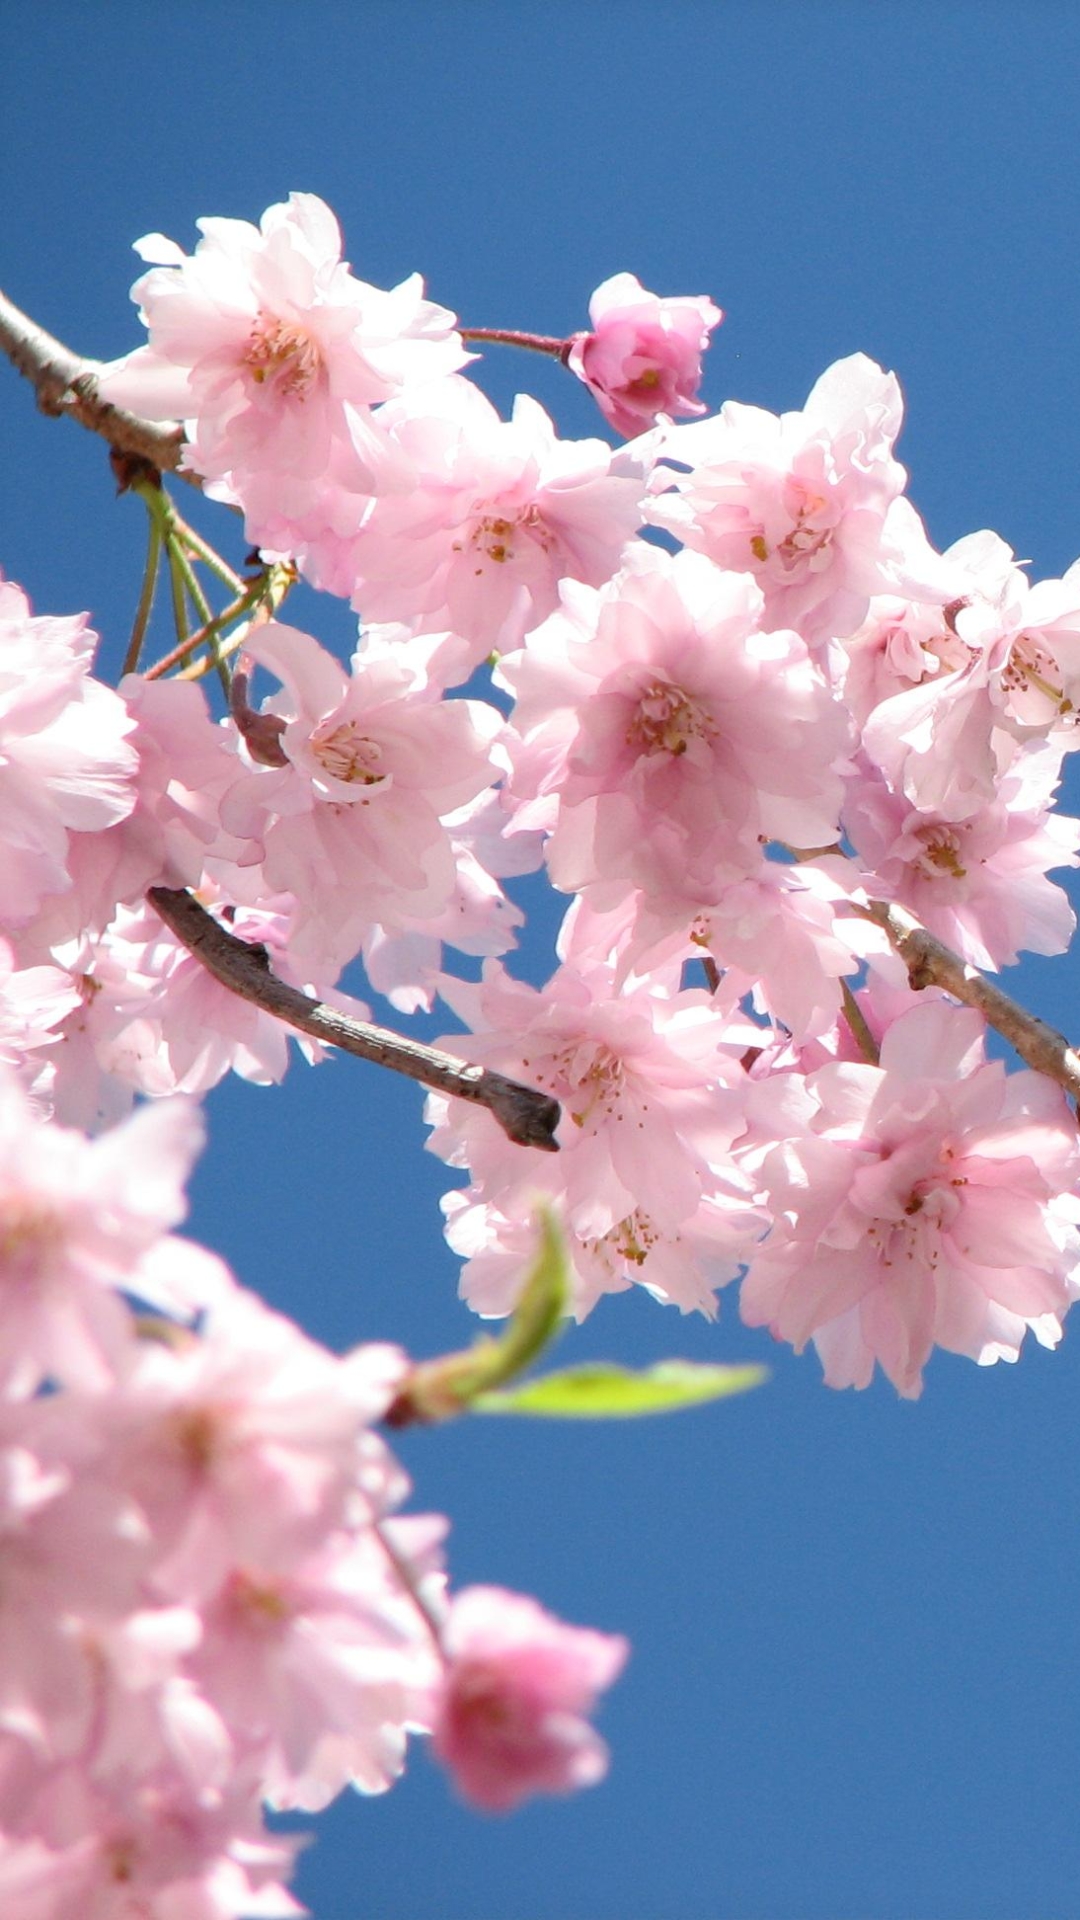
(66, 384)
(930, 963)
(527, 1117)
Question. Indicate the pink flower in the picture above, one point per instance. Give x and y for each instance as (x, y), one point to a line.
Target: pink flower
(249, 1444)
(927, 1201)
(668, 735)
(271, 351)
(905, 641)
(353, 824)
(1009, 682)
(33, 1002)
(158, 1851)
(480, 918)
(325, 1662)
(810, 502)
(66, 764)
(518, 1685)
(177, 1029)
(483, 519)
(80, 1219)
(643, 356)
(650, 1086)
(980, 883)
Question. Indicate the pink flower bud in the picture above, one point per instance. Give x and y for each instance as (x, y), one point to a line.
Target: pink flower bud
(518, 1683)
(644, 355)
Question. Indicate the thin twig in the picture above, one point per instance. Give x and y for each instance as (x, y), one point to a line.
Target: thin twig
(514, 337)
(527, 1117)
(860, 1032)
(65, 383)
(930, 963)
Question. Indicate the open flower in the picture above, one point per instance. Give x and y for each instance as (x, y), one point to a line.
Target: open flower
(926, 1201)
(271, 351)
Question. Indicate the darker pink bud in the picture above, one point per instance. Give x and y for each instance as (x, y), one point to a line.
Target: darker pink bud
(643, 357)
(517, 1687)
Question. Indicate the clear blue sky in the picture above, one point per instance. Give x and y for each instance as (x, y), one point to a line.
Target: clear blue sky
(855, 1689)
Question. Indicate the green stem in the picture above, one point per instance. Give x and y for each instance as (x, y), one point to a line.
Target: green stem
(146, 598)
(199, 601)
(203, 551)
(176, 584)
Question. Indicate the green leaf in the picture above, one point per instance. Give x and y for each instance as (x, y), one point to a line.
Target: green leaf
(606, 1392)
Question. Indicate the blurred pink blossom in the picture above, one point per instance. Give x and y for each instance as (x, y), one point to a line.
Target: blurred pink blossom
(519, 1683)
(67, 765)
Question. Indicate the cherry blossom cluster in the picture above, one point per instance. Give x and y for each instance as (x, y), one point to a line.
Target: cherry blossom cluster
(728, 757)
(717, 687)
(209, 1601)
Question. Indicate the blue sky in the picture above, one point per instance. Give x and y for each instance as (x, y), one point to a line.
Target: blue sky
(855, 1688)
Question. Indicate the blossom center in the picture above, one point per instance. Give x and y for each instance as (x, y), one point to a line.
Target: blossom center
(804, 538)
(258, 1604)
(941, 853)
(928, 1210)
(1031, 665)
(487, 1701)
(347, 754)
(198, 1434)
(594, 1076)
(282, 355)
(634, 1238)
(30, 1236)
(496, 537)
(666, 720)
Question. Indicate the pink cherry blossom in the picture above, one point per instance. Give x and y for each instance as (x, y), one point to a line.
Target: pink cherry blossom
(1003, 680)
(670, 735)
(518, 1686)
(809, 503)
(783, 936)
(905, 641)
(980, 883)
(80, 1218)
(66, 762)
(33, 1003)
(249, 1444)
(160, 1850)
(183, 1031)
(270, 350)
(406, 965)
(482, 520)
(187, 764)
(324, 1662)
(927, 1201)
(643, 356)
(352, 825)
(650, 1088)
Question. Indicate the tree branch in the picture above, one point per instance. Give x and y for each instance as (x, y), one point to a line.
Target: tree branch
(527, 1117)
(66, 384)
(930, 963)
